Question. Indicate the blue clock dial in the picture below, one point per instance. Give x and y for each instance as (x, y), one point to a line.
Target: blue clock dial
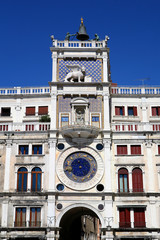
(80, 167)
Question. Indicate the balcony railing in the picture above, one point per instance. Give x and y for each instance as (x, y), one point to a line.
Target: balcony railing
(134, 127)
(79, 44)
(139, 224)
(124, 224)
(24, 91)
(20, 224)
(135, 90)
(24, 127)
(27, 224)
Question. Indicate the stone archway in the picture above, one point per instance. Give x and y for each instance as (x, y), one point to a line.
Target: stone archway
(80, 223)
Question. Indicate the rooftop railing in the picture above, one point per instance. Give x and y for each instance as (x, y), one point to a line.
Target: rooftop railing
(79, 44)
(135, 90)
(28, 127)
(24, 91)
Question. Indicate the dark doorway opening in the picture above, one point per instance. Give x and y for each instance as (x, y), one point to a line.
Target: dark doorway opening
(80, 223)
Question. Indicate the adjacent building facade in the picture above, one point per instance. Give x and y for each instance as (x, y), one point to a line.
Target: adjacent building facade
(80, 158)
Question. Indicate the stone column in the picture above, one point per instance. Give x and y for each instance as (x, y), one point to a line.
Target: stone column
(53, 111)
(150, 170)
(130, 181)
(54, 66)
(107, 165)
(105, 67)
(7, 165)
(52, 164)
(132, 217)
(4, 213)
(106, 109)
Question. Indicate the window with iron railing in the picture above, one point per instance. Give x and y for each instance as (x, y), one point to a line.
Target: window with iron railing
(20, 219)
(35, 217)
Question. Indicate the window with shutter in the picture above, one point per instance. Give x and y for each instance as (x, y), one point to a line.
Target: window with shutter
(155, 111)
(124, 217)
(43, 110)
(137, 180)
(123, 184)
(135, 149)
(139, 217)
(30, 111)
(35, 217)
(119, 111)
(20, 219)
(121, 149)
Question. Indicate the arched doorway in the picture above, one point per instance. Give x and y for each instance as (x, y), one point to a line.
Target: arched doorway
(80, 223)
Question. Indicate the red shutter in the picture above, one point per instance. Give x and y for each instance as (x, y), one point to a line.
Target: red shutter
(43, 110)
(30, 111)
(127, 211)
(158, 111)
(117, 111)
(122, 217)
(159, 149)
(139, 217)
(136, 150)
(122, 150)
(154, 113)
(135, 111)
(137, 180)
(123, 111)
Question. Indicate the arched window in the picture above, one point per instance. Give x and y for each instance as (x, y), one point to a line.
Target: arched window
(137, 180)
(22, 179)
(123, 180)
(36, 179)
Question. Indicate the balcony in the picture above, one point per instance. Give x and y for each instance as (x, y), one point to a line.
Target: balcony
(23, 224)
(27, 127)
(135, 127)
(80, 135)
(125, 224)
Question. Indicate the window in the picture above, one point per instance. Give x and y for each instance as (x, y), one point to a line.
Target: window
(37, 149)
(30, 111)
(123, 185)
(137, 180)
(64, 120)
(23, 149)
(95, 121)
(6, 111)
(124, 218)
(155, 111)
(119, 111)
(132, 111)
(135, 149)
(121, 149)
(43, 110)
(36, 179)
(35, 217)
(139, 217)
(22, 179)
(20, 220)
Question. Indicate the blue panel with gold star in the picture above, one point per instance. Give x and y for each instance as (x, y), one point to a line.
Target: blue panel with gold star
(80, 167)
(93, 68)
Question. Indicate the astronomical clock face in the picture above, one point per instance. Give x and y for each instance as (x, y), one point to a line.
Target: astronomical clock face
(80, 167)
(80, 170)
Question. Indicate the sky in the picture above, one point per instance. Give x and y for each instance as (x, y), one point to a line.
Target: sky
(26, 26)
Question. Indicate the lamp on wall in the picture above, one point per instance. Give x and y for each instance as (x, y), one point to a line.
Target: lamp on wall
(108, 222)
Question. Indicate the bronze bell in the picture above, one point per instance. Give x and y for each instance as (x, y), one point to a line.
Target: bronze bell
(82, 34)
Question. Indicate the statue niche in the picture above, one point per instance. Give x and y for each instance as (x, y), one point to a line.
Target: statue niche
(76, 74)
(80, 116)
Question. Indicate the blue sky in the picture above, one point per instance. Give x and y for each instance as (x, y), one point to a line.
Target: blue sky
(26, 26)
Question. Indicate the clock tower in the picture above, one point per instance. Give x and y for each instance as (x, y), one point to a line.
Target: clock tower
(80, 162)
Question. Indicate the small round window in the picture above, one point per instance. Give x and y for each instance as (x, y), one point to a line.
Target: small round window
(99, 146)
(60, 187)
(100, 187)
(60, 146)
